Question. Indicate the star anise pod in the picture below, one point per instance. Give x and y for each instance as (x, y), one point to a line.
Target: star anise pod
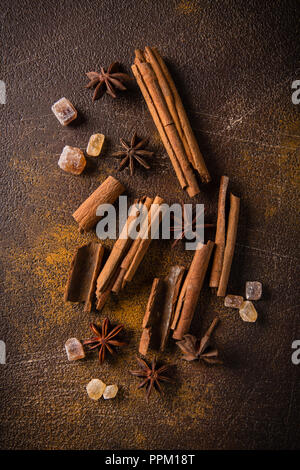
(182, 227)
(104, 339)
(194, 349)
(133, 151)
(108, 82)
(151, 376)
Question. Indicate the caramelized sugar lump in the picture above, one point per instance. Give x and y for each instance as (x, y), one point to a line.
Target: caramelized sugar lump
(95, 145)
(64, 111)
(72, 160)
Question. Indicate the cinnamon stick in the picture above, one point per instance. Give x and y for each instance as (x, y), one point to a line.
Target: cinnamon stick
(118, 251)
(160, 310)
(191, 290)
(152, 314)
(153, 111)
(85, 267)
(233, 220)
(154, 304)
(120, 283)
(151, 57)
(107, 193)
(220, 235)
(172, 287)
(102, 297)
(144, 242)
(152, 85)
(189, 137)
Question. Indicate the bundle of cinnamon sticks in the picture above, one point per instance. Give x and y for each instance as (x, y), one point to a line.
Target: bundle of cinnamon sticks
(169, 116)
(127, 253)
(173, 301)
(225, 242)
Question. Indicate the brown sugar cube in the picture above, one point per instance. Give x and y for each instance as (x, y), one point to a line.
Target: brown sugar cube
(64, 111)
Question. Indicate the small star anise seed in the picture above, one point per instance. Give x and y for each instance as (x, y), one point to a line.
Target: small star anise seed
(151, 376)
(108, 82)
(194, 349)
(133, 151)
(104, 339)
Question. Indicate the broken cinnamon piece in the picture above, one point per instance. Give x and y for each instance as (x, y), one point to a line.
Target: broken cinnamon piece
(154, 216)
(160, 310)
(220, 235)
(107, 193)
(85, 267)
(233, 221)
(151, 317)
(145, 341)
(154, 305)
(172, 287)
(190, 292)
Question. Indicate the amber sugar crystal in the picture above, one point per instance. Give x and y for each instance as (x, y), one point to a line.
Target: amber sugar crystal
(72, 160)
(248, 312)
(253, 290)
(233, 301)
(95, 145)
(64, 111)
(74, 349)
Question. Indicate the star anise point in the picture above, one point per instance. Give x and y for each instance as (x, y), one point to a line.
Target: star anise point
(104, 339)
(151, 375)
(134, 151)
(108, 81)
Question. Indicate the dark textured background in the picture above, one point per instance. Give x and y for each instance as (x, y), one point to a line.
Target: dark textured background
(234, 62)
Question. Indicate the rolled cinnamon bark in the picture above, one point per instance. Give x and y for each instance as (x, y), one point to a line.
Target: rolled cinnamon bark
(189, 137)
(118, 251)
(160, 310)
(150, 56)
(233, 221)
(107, 193)
(220, 235)
(159, 126)
(172, 284)
(85, 267)
(151, 317)
(120, 283)
(102, 297)
(188, 299)
(157, 97)
(154, 305)
(143, 246)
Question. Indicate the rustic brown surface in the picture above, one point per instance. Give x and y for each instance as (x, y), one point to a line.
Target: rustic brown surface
(233, 63)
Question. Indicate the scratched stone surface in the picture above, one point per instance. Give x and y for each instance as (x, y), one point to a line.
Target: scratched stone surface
(234, 63)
